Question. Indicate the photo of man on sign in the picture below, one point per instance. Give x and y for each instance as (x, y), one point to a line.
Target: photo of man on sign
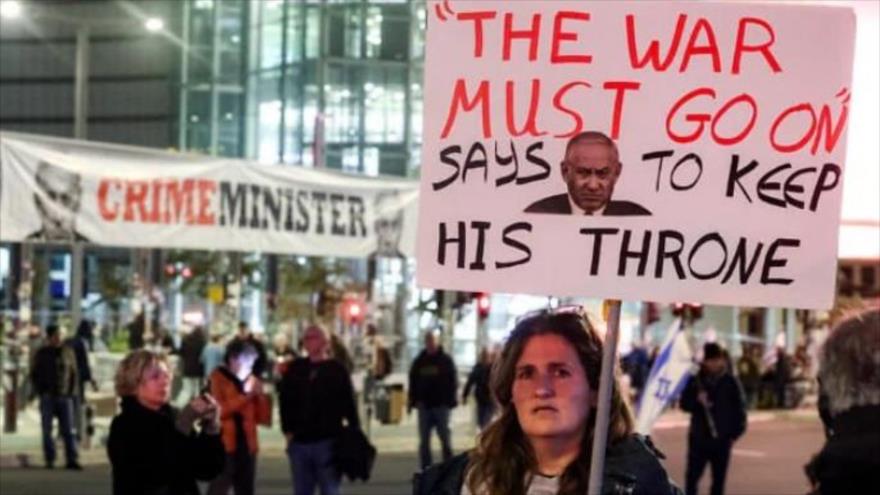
(590, 170)
(57, 202)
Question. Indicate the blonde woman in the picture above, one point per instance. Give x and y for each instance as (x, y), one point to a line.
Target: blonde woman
(153, 448)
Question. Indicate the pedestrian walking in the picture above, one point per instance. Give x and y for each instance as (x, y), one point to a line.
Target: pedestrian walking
(714, 398)
(82, 345)
(282, 355)
(748, 370)
(781, 377)
(212, 354)
(136, 329)
(244, 334)
(546, 383)
(849, 379)
(56, 382)
(239, 393)
(478, 381)
(433, 385)
(316, 395)
(154, 448)
(191, 348)
(339, 352)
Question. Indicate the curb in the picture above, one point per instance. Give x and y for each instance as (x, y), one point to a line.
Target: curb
(15, 461)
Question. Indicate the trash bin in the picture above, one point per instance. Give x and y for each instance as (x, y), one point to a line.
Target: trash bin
(396, 402)
(389, 402)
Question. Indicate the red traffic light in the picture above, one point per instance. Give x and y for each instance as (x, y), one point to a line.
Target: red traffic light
(353, 309)
(484, 304)
(170, 270)
(186, 272)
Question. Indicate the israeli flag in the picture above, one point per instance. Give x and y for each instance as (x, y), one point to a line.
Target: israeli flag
(669, 375)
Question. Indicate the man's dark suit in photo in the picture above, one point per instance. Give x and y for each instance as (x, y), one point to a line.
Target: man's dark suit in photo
(590, 170)
(560, 203)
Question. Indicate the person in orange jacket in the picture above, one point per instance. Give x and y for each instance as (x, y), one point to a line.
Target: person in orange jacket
(240, 395)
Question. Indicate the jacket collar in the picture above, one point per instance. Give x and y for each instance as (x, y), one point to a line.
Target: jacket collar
(857, 420)
(229, 375)
(131, 405)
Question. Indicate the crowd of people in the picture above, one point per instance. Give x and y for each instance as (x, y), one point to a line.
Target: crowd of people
(535, 410)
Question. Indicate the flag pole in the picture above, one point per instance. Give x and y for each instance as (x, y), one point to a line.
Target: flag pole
(606, 381)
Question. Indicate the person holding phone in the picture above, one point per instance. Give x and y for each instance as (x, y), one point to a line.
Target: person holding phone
(240, 395)
(153, 447)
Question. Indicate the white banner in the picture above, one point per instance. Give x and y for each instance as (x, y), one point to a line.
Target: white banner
(60, 190)
(664, 151)
(669, 374)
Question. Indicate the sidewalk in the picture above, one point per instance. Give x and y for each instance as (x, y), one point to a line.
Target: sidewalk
(22, 449)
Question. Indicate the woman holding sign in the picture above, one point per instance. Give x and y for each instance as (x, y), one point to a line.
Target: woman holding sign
(546, 384)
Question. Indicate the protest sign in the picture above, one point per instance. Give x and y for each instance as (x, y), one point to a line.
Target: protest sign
(61, 190)
(706, 163)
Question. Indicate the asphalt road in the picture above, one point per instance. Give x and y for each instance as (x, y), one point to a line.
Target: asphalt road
(767, 461)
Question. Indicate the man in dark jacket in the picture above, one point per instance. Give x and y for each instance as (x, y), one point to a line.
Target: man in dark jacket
(191, 359)
(82, 344)
(478, 380)
(316, 395)
(56, 382)
(849, 378)
(433, 383)
(715, 400)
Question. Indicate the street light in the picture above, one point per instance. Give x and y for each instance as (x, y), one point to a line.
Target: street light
(11, 9)
(154, 24)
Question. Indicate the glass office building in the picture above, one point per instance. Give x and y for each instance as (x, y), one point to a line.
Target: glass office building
(305, 82)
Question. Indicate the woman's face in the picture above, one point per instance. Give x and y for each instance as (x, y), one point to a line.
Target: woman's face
(154, 390)
(551, 394)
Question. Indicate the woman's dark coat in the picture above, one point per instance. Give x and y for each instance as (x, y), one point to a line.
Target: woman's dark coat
(151, 457)
(631, 467)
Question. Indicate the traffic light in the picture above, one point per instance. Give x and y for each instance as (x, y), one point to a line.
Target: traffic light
(174, 269)
(354, 309)
(484, 305)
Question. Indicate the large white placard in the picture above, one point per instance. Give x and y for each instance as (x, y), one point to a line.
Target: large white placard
(723, 182)
(60, 190)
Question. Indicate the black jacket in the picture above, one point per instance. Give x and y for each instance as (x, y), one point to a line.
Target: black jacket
(728, 407)
(432, 380)
(850, 460)
(561, 204)
(314, 398)
(54, 371)
(191, 354)
(353, 454)
(478, 379)
(151, 457)
(631, 467)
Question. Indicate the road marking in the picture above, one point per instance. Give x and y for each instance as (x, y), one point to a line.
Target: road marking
(749, 453)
